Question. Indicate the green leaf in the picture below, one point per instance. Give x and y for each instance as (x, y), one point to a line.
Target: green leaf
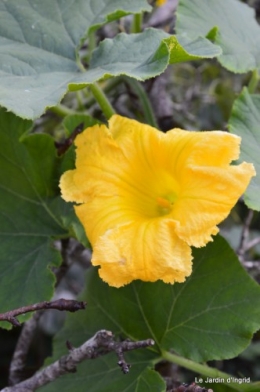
(253, 387)
(244, 122)
(147, 54)
(211, 316)
(230, 23)
(30, 210)
(70, 123)
(104, 375)
(244, 386)
(183, 48)
(39, 41)
(74, 120)
(217, 325)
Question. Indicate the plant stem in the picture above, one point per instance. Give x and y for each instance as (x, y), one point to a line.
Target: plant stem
(102, 100)
(137, 23)
(253, 81)
(62, 110)
(91, 43)
(80, 100)
(109, 86)
(203, 370)
(144, 99)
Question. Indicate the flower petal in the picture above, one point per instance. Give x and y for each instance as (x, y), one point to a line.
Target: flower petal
(69, 190)
(148, 250)
(113, 171)
(185, 148)
(209, 195)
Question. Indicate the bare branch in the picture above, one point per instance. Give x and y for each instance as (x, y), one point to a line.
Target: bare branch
(100, 344)
(252, 243)
(249, 265)
(61, 271)
(120, 347)
(244, 235)
(64, 146)
(60, 304)
(23, 344)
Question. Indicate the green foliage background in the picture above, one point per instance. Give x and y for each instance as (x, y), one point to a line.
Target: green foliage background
(47, 56)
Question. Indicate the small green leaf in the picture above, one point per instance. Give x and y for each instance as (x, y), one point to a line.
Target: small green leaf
(74, 120)
(212, 33)
(244, 122)
(182, 48)
(230, 23)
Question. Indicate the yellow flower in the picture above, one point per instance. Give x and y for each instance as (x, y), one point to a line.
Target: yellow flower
(145, 197)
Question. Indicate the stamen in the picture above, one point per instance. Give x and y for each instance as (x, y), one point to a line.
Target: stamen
(165, 204)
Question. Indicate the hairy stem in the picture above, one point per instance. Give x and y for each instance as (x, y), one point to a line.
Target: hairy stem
(102, 100)
(62, 110)
(137, 23)
(204, 370)
(253, 83)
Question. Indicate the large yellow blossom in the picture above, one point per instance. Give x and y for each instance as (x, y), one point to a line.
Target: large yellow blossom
(144, 197)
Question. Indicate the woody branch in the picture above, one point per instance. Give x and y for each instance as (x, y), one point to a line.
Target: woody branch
(60, 304)
(100, 344)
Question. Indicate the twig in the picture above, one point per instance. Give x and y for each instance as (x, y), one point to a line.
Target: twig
(252, 243)
(120, 347)
(176, 386)
(244, 235)
(22, 347)
(60, 304)
(254, 264)
(61, 271)
(101, 343)
(64, 146)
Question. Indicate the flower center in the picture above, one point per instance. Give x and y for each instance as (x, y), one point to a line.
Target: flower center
(165, 204)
